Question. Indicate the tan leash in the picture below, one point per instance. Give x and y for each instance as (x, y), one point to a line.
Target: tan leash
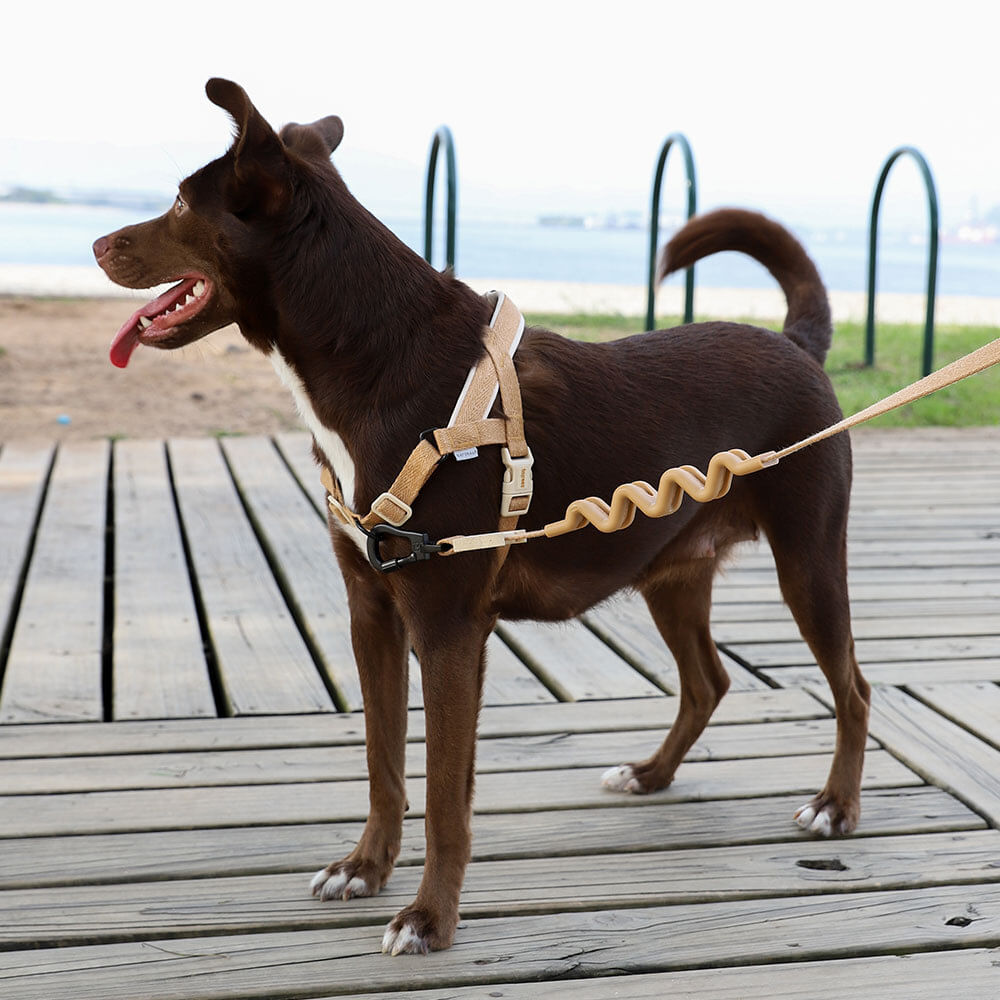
(722, 467)
(470, 428)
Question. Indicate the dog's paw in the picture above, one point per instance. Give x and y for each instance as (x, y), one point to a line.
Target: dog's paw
(824, 817)
(340, 881)
(415, 931)
(622, 779)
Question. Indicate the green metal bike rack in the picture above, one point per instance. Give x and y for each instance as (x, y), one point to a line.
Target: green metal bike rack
(442, 137)
(932, 205)
(654, 225)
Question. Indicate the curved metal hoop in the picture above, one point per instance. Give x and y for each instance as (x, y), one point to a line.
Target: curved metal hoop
(442, 137)
(654, 225)
(932, 206)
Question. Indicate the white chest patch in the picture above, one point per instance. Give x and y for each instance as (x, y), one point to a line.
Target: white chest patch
(330, 442)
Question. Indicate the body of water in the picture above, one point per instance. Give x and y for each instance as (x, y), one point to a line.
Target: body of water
(61, 235)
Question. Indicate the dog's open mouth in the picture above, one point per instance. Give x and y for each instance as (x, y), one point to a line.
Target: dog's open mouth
(156, 319)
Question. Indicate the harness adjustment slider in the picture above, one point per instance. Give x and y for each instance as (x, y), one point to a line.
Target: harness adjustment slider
(391, 509)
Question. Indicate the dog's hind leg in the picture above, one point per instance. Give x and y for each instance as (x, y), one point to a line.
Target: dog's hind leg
(381, 650)
(451, 664)
(811, 559)
(680, 606)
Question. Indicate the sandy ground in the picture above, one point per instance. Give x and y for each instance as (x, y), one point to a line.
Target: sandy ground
(56, 382)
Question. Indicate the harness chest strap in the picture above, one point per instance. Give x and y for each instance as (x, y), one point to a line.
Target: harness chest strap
(468, 429)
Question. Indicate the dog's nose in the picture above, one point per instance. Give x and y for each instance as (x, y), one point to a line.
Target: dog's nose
(101, 247)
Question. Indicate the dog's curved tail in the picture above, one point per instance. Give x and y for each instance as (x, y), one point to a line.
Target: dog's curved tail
(807, 321)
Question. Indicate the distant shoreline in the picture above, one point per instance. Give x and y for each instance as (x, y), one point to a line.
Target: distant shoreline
(577, 297)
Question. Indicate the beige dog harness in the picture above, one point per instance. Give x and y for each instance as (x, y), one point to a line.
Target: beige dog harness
(470, 428)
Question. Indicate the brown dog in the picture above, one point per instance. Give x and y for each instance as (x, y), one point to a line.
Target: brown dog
(375, 346)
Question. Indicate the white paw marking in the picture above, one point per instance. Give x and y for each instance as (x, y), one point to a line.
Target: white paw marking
(405, 941)
(356, 887)
(338, 886)
(621, 779)
(820, 823)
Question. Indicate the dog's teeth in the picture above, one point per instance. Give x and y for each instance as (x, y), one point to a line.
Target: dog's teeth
(145, 322)
(190, 298)
(199, 287)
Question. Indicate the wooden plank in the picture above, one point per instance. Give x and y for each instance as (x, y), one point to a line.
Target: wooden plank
(191, 808)
(298, 543)
(905, 672)
(625, 624)
(899, 977)
(264, 664)
(874, 583)
(162, 736)
(526, 948)
(921, 626)
(159, 664)
(269, 903)
(949, 647)
(54, 668)
(24, 471)
(973, 706)
(574, 662)
(508, 680)
(25, 776)
(945, 754)
(139, 857)
(936, 606)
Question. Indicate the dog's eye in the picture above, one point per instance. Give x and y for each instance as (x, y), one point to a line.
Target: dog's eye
(179, 205)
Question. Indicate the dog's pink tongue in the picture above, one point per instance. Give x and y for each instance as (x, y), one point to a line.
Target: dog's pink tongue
(127, 338)
(125, 342)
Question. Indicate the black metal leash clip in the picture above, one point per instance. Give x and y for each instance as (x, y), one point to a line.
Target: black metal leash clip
(421, 547)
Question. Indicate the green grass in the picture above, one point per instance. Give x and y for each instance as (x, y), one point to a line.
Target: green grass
(974, 402)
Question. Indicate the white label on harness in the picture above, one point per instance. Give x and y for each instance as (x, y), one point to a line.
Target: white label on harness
(465, 454)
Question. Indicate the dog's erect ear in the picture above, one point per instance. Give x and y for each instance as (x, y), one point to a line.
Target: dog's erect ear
(319, 139)
(332, 130)
(259, 163)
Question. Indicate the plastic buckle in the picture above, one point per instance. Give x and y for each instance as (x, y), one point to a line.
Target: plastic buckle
(518, 484)
(421, 548)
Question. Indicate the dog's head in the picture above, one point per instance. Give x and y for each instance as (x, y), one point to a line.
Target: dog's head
(212, 242)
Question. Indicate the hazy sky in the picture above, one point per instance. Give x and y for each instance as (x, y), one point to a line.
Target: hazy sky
(790, 107)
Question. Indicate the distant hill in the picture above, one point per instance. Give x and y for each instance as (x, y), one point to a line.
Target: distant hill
(117, 199)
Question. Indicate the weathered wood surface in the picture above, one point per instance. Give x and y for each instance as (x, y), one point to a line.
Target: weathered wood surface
(168, 853)
(54, 668)
(160, 670)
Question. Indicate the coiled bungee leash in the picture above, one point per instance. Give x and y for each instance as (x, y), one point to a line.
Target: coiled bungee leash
(469, 428)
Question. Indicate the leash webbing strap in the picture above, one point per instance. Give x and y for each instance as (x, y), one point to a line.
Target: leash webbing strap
(971, 364)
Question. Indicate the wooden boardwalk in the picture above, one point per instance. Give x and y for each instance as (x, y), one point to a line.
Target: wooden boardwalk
(181, 747)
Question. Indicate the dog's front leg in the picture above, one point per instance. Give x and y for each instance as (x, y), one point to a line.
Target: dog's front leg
(451, 663)
(381, 649)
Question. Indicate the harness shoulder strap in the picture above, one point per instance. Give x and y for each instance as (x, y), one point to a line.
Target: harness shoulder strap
(468, 429)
